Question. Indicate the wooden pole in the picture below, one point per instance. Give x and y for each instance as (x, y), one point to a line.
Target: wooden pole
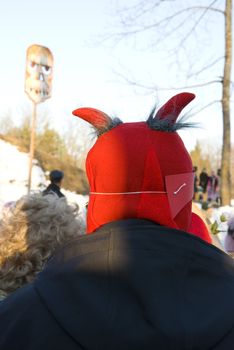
(32, 144)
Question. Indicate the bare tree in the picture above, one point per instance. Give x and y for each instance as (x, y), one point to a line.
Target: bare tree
(161, 20)
(226, 86)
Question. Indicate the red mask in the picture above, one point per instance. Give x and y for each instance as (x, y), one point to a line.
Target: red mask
(135, 171)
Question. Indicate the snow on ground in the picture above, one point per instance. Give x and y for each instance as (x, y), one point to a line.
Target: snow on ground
(14, 168)
(227, 212)
(216, 214)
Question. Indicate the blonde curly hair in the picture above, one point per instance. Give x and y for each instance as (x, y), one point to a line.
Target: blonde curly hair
(35, 228)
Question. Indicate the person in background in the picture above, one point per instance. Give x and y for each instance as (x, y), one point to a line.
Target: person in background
(212, 187)
(218, 198)
(229, 238)
(203, 180)
(56, 177)
(195, 183)
(35, 228)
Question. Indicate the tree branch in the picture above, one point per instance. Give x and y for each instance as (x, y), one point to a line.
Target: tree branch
(205, 67)
(145, 28)
(139, 10)
(210, 8)
(196, 23)
(154, 87)
(204, 107)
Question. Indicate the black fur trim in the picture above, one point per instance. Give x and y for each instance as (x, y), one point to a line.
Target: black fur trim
(166, 124)
(114, 122)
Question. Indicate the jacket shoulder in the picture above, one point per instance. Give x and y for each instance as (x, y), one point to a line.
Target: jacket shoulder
(23, 316)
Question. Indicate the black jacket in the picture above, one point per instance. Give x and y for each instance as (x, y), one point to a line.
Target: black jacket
(131, 285)
(53, 188)
(203, 180)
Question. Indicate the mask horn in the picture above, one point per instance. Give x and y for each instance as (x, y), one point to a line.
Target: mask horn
(96, 118)
(174, 106)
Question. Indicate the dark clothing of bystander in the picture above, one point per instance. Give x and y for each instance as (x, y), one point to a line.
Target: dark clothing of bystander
(131, 285)
(53, 188)
(203, 181)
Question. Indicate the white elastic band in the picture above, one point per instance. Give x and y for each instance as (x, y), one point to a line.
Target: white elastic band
(184, 184)
(117, 193)
(137, 192)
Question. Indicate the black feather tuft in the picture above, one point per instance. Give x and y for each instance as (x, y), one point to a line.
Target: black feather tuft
(167, 124)
(114, 122)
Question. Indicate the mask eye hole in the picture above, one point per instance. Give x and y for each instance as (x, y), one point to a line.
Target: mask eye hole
(33, 65)
(46, 70)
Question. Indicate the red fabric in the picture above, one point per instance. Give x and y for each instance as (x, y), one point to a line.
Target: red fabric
(132, 157)
(97, 118)
(199, 228)
(180, 189)
(174, 106)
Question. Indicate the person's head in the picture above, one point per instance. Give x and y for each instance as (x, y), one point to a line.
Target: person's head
(229, 238)
(37, 226)
(230, 225)
(140, 170)
(56, 176)
(195, 169)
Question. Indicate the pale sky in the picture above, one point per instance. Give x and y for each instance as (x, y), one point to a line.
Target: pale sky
(85, 69)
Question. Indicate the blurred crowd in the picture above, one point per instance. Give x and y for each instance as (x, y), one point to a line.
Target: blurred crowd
(207, 186)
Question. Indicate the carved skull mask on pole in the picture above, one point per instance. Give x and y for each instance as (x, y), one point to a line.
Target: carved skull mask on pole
(39, 73)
